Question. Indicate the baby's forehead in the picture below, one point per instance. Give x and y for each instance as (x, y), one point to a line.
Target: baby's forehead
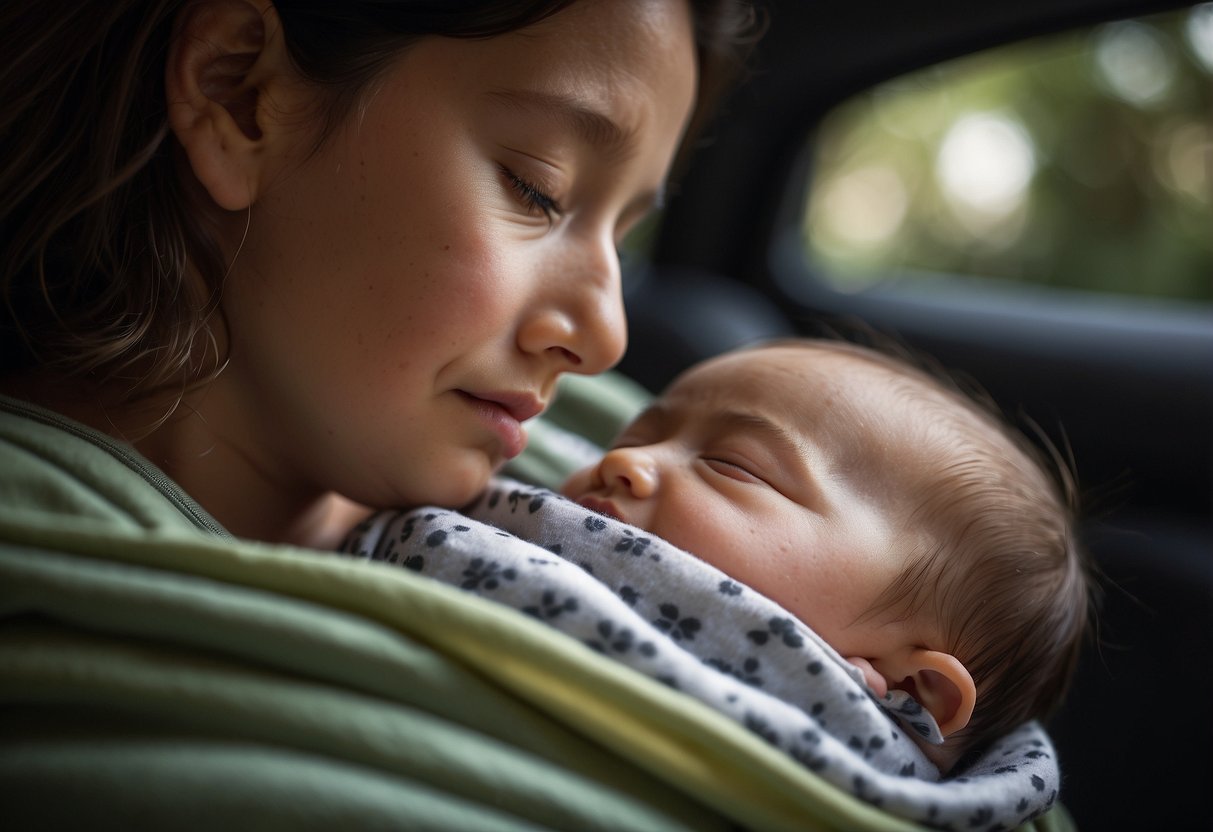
(794, 374)
(824, 391)
(793, 387)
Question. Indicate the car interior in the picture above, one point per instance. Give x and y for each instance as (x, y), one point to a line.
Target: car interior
(1123, 381)
(1020, 189)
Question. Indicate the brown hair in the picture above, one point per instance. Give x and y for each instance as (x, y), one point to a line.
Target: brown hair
(1005, 577)
(95, 227)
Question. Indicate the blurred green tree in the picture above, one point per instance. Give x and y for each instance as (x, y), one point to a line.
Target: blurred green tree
(1082, 160)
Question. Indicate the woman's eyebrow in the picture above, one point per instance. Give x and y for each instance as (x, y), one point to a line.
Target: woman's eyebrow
(583, 118)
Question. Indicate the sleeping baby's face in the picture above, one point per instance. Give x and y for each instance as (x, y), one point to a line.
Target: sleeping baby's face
(788, 468)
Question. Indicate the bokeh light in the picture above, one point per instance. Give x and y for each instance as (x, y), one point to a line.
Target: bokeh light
(1134, 62)
(1199, 32)
(865, 206)
(985, 164)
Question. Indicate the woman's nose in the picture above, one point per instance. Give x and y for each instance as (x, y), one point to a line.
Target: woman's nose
(632, 469)
(580, 321)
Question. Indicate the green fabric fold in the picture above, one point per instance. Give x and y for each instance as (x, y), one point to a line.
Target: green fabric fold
(156, 673)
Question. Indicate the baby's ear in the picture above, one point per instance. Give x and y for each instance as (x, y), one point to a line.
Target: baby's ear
(937, 681)
(223, 56)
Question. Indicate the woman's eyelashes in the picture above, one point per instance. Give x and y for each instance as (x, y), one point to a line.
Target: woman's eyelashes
(533, 197)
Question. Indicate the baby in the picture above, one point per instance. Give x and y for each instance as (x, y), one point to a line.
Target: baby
(917, 534)
(906, 525)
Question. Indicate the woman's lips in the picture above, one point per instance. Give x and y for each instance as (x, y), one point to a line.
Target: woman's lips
(520, 406)
(503, 414)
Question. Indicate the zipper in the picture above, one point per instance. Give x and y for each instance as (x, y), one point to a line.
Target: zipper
(128, 456)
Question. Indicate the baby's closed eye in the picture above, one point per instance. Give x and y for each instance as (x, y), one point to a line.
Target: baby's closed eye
(736, 468)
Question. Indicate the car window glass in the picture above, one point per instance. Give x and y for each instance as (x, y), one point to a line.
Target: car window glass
(1083, 160)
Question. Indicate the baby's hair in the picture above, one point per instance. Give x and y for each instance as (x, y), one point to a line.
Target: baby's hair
(96, 227)
(1006, 576)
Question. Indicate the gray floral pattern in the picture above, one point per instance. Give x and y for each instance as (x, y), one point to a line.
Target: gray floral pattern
(677, 619)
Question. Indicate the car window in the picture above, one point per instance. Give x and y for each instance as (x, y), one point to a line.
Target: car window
(1083, 160)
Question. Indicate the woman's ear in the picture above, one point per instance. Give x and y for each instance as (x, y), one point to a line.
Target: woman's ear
(936, 680)
(223, 56)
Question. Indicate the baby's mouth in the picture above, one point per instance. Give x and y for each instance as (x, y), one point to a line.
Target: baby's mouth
(603, 507)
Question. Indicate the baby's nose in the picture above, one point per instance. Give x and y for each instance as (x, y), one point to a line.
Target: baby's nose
(632, 469)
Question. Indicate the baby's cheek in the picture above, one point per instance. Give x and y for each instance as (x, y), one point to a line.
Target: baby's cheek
(710, 535)
(577, 484)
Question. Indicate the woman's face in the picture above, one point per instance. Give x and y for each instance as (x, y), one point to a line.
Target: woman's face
(406, 296)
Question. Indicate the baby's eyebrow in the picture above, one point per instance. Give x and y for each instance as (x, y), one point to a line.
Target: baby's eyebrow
(661, 418)
(745, 421)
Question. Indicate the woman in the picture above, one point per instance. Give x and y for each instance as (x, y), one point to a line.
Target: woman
(310, 257)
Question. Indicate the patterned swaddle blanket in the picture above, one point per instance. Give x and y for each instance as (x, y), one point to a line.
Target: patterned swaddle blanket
(681, 621)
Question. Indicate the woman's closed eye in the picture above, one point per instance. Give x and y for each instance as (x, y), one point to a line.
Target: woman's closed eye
(532, 196)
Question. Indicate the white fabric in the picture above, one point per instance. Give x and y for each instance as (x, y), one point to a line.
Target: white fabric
(681, 621)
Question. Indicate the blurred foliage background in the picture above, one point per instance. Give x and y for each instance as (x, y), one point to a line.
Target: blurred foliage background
(1083, 160)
